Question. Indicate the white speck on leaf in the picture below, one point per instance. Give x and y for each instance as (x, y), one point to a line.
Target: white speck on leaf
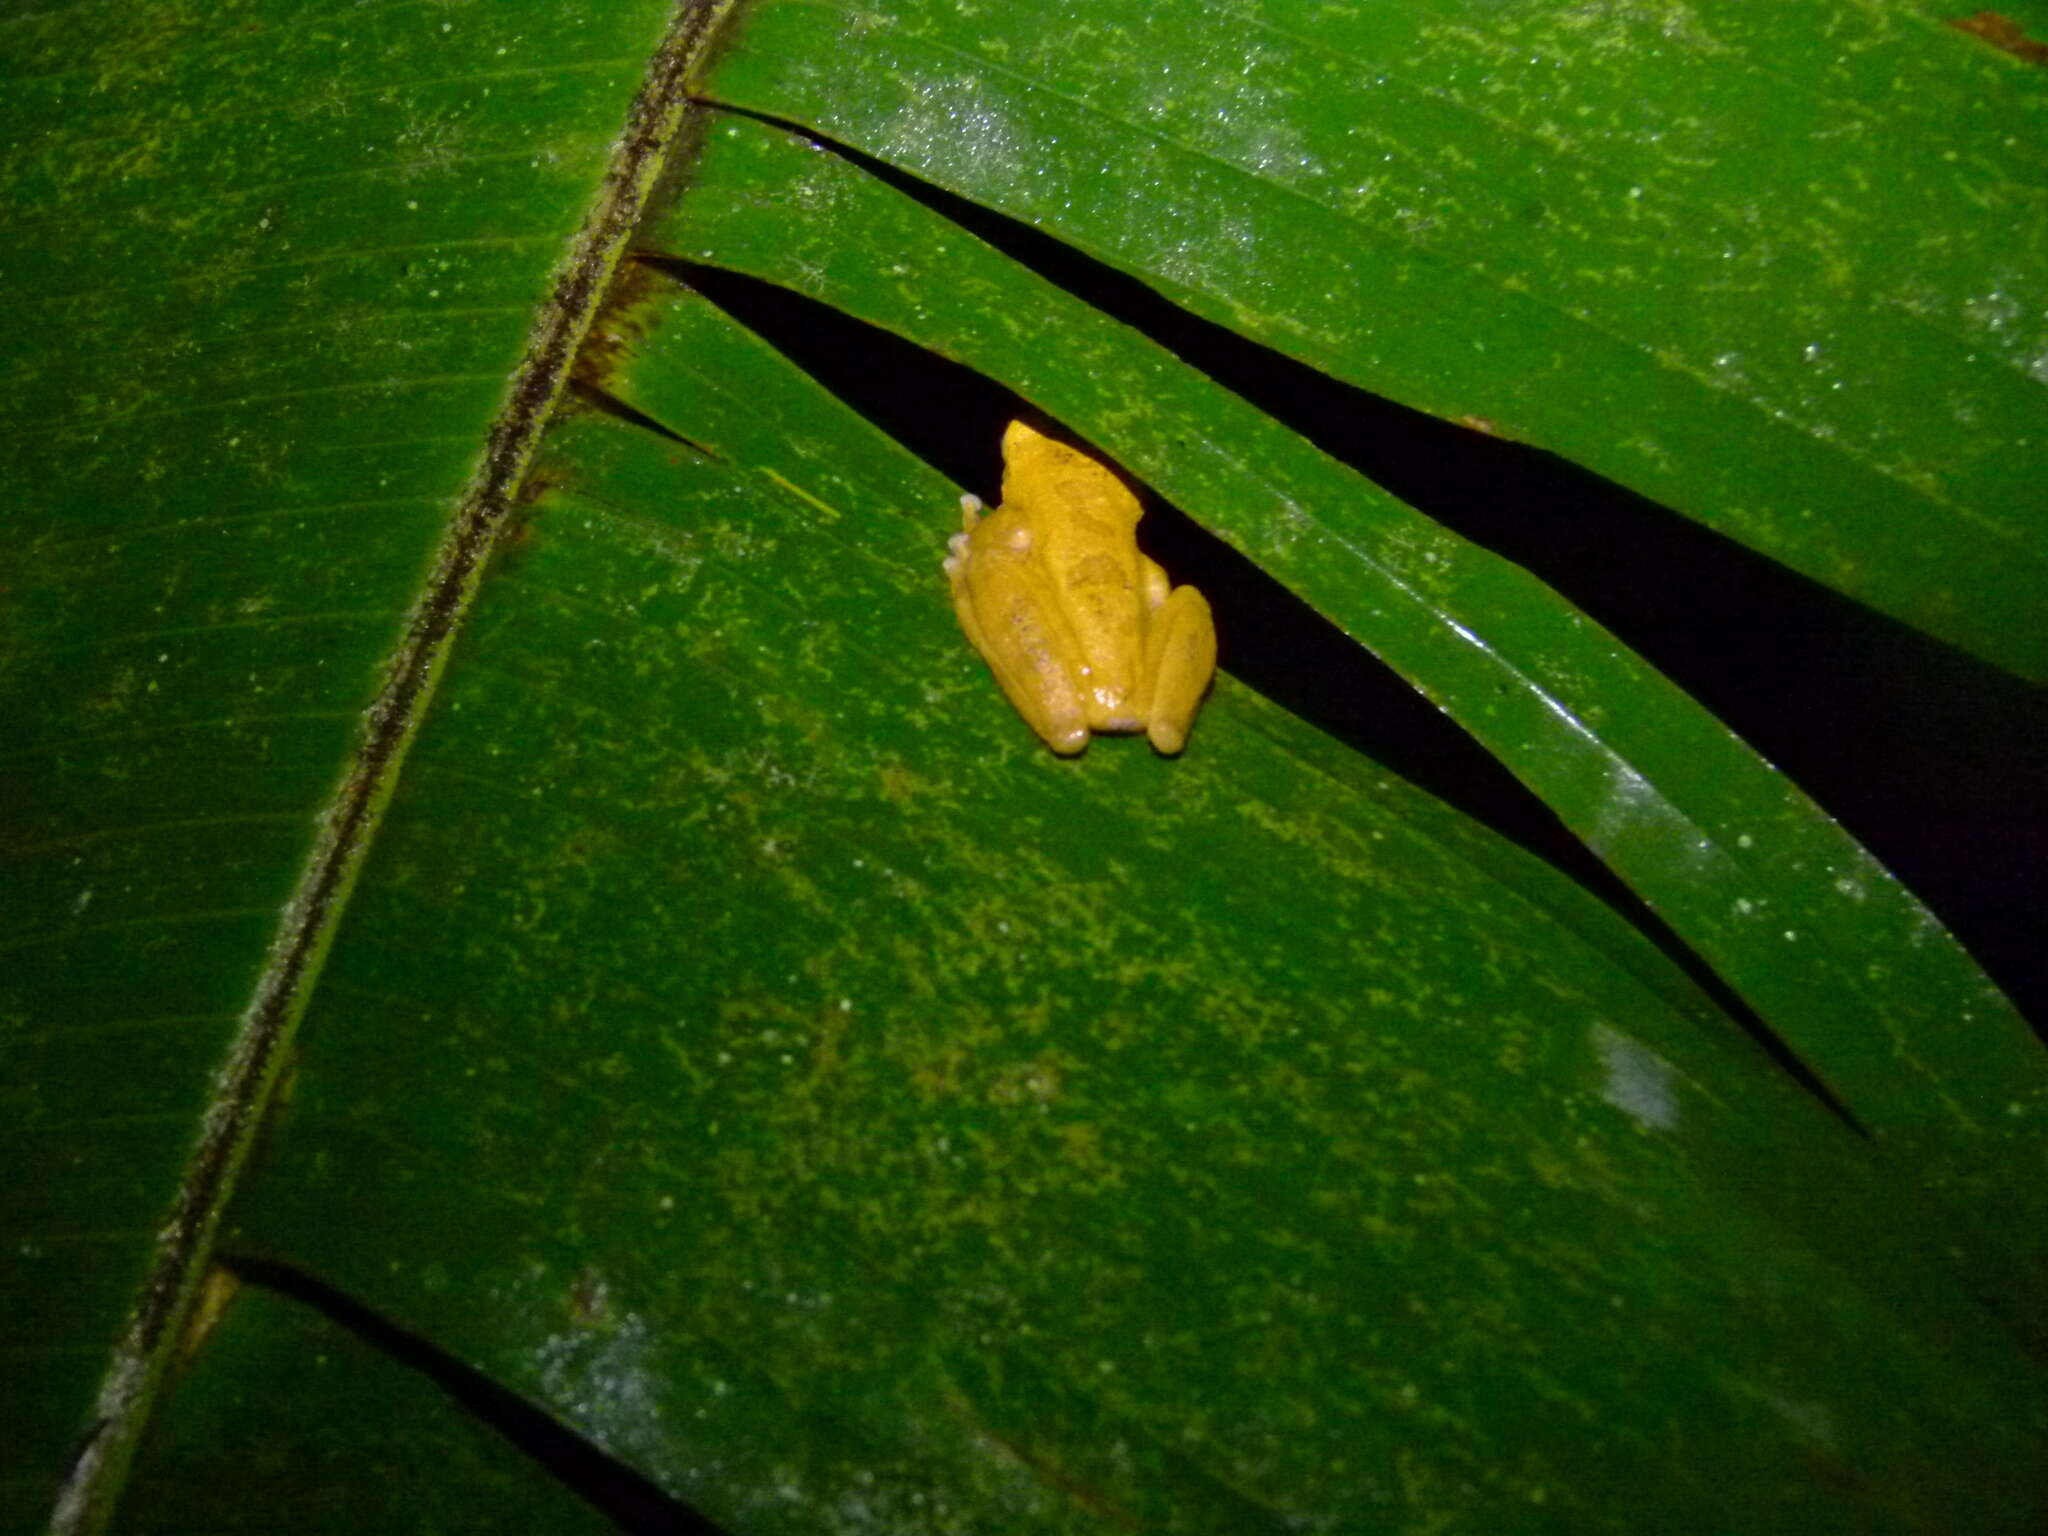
(1637, 1081)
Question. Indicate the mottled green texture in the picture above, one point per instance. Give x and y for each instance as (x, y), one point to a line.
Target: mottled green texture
(265, 268)
(1835, 955)
(744, 1040)
(962, 1140)
(1779, 267)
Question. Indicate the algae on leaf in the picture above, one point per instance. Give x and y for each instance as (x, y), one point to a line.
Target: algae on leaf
(1772, 267)
(713, 1020)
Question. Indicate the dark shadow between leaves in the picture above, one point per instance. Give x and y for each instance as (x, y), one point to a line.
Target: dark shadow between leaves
(1930, 757)
(953, 418)
(629, 1499)
(1269, 639)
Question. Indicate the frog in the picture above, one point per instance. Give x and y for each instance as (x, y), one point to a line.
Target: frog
(1085, 634)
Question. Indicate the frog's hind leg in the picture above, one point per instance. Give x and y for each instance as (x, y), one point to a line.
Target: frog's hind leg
(1180, 663)
(1011, 616)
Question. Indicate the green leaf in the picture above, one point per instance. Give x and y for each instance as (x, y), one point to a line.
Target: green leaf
(1774, 267)
(969, 1122)
(1828, 948)
(404, 1456)
(270, 270)
(548, 858)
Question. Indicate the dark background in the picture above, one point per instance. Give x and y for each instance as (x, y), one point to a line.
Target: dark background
(1931, 758)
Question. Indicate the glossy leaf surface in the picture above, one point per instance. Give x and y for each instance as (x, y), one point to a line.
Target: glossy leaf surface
(743, 1043)
(1775, 268)
(356, 1441)
(1019, 1136)
(1850, 969)
(268, 268)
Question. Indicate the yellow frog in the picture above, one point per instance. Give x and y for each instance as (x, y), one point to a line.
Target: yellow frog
(1082, 631)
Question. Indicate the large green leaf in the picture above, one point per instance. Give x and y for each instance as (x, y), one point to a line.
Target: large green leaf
(269, 269)
(947, 1084)
(1777, 267)
(1721, 845)
(726, 1029)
